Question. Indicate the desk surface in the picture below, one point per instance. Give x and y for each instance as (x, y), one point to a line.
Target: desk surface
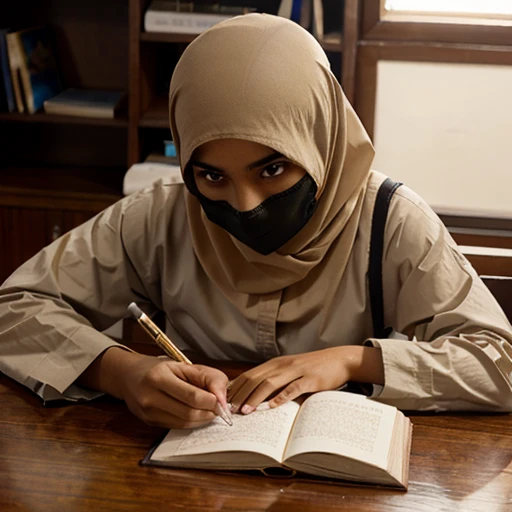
(85, 457)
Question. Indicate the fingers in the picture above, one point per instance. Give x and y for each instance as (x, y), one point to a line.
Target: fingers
(161, 410)
(268, 388)
(181, 395)
(209, 386)
(291, 392)
(253, 387)
(287, 377)
(170, 394)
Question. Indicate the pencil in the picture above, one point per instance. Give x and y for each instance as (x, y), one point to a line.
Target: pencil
(170, 349)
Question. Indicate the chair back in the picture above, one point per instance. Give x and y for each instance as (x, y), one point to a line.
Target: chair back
(501, 288)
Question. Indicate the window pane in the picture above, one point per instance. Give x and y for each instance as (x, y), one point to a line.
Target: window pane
(451, 6)
(459, 166)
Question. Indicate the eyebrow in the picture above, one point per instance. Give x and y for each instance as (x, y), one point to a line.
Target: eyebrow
(253, 165)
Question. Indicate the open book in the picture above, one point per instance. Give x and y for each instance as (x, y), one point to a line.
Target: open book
(332, 434)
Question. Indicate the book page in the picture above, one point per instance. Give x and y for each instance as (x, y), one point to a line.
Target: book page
(263, 431)
(344, 424)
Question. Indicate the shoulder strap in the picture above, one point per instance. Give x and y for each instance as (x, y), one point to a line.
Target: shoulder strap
(380, 213)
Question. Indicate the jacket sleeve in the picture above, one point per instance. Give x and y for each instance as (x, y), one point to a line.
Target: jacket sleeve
(54, 307)
(457, 354)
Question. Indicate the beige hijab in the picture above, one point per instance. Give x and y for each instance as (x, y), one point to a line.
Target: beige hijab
(265, 79)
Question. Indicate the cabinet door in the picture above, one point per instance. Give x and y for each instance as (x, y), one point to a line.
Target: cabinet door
(59, 222)
(25, 231)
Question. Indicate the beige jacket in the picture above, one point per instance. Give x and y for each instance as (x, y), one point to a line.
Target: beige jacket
(458, 355)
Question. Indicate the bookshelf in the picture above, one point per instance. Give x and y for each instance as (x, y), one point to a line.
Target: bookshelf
(58, 171)
(148, 99)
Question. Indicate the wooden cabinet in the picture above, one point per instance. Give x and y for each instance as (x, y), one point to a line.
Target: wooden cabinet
(42, 208)
(28, 230)
(22, 233)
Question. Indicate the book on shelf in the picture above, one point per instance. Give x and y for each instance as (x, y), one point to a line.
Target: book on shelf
(296, 10)
(318, 19)
(305, 13)
(7, 101)
(86, 103)
(333, 434)
(33, 69)
(188, 17)
(169, 148)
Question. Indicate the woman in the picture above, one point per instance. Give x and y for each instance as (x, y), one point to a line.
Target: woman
(261, 257)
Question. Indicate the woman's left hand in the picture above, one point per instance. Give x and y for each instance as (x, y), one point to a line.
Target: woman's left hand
(295, 375)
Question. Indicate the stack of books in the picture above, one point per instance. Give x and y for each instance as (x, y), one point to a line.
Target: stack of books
(157, 166)
(144, 175)
(194, 17)
(188, 17)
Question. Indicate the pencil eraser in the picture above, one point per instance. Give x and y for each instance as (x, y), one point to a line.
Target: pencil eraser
(135, 310)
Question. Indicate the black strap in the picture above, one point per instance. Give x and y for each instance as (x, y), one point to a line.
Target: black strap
(380, 213)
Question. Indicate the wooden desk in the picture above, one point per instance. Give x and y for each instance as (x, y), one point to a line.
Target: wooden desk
(84, 457)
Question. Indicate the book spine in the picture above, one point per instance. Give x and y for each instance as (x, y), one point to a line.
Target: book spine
(296, 10)
(6, 73)
(285, 9)
(305, 14)
(181, 22)
(318, 19)
(14, 65)
(25, 74)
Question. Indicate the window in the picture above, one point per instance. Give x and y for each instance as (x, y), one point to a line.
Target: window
(493, 12)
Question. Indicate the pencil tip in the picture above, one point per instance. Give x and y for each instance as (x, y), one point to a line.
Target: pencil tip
(224, 414)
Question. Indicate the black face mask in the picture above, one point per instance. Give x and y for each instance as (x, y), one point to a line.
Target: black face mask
(270, 225)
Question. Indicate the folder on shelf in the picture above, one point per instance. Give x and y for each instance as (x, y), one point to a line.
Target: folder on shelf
(86, 103)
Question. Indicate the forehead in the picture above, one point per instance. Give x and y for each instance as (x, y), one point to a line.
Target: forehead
(231, 151)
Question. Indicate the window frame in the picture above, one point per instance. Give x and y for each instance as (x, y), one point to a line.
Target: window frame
(463, 17)
(375, 26)
(371, 52)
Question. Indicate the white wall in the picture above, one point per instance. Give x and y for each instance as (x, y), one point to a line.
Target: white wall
(445, 130)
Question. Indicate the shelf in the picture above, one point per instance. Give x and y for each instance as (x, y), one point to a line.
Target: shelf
(157, 115)
(332, 42)
(42, 117)
(83, 188)
(167, 37)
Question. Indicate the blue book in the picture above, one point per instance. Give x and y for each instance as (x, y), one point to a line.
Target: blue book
(31, 56)
(5, 74)
(85, 103)
(296, 11)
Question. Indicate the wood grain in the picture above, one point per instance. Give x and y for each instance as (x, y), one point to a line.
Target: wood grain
(85, 457)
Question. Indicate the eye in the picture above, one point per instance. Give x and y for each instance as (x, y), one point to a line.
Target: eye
(273, 170)
(211, 176)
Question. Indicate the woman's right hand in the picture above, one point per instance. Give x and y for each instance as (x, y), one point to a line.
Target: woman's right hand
(158, 390)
